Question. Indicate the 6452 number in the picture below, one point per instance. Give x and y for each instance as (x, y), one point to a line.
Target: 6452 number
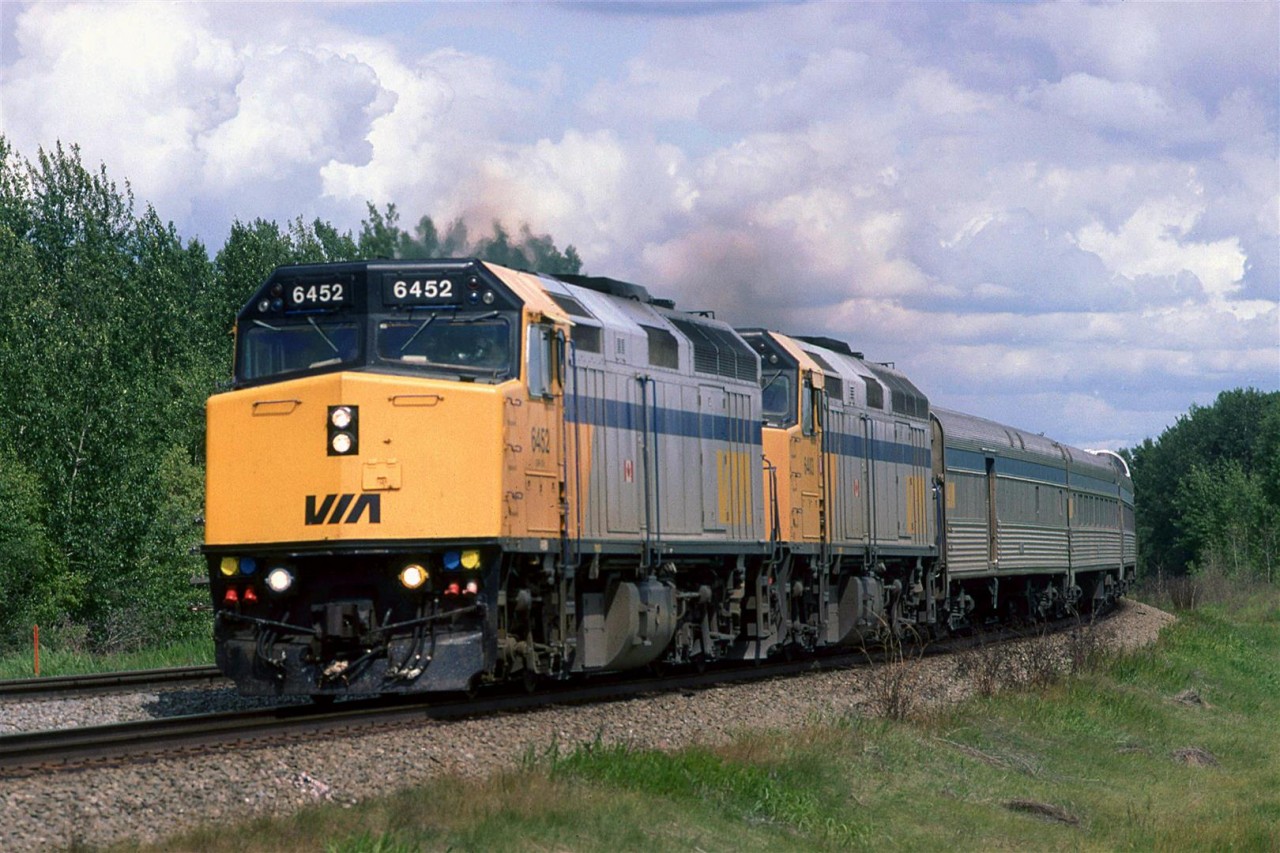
(422, 289)
(317, 294)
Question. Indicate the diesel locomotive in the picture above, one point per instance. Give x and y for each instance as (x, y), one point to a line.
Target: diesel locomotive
(433, 475)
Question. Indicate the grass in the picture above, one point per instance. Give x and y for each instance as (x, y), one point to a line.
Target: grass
(70, 661)
(1094, 761)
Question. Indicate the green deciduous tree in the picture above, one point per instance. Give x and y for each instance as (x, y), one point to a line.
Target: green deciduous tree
(34, 582)
(113, 332)
(99, 366)
(1207, 488)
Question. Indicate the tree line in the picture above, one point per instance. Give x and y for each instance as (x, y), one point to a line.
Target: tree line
(1208, 490)
(113, 332)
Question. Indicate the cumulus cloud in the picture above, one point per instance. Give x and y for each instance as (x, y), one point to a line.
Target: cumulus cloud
(1154, 242)
(197, 117)
(1063, 214)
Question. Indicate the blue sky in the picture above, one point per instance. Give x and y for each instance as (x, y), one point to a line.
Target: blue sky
(1062, 216)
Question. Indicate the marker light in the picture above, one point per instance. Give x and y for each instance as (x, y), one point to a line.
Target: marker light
(472, 589)
(248, 565)
(413, 576)
(453, 589)
(470, 559)
(340, 416)
(342, 442)
(229, 566)
(250, 597)
(452, 559)
(230, 597)
(279, 579)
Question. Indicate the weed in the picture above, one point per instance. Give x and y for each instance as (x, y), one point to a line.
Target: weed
(896, 684)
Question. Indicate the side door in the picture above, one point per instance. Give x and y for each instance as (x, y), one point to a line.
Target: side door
(543, 420)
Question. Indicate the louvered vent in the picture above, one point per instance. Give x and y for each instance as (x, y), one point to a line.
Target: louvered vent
(875, 393)
(718, 351)
(663, 349)
(587, 338)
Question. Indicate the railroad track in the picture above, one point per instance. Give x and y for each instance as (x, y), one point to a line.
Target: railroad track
(54, 750)
(45, 751)
(65, 686)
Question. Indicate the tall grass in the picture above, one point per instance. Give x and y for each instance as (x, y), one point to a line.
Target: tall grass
(64, 660)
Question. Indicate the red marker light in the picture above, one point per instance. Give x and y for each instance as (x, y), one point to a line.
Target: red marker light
(230, 597)
(453, 589)
(250, 597)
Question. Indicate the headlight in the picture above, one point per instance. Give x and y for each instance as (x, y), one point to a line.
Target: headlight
(340, 416)
(413, 576)
(342, 427)
(279, 580)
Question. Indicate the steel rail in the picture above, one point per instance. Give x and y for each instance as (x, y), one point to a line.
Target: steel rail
(55, 749)
(56, 686)
(62, 749)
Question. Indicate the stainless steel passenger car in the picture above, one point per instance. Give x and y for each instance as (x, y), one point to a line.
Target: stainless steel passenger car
(1031, 522)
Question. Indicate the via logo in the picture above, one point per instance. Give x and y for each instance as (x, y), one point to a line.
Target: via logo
(334, 509)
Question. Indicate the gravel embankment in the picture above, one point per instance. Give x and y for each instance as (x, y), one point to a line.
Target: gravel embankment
(151, 801)
(31, 716)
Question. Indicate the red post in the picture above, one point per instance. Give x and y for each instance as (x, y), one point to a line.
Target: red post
(37, 644)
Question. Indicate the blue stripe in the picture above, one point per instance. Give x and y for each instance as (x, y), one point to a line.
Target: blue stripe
(1083, 481)
(855, 446)
(619, 414)
(968, 460)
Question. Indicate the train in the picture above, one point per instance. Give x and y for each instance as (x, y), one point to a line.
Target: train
(437, 475)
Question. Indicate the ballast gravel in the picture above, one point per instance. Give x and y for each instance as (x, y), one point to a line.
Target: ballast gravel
(151, 801)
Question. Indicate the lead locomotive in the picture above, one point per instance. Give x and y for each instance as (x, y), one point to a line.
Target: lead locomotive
(434, 475)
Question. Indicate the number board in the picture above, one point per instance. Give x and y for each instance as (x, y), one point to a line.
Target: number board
(315, 294)
(422, 289)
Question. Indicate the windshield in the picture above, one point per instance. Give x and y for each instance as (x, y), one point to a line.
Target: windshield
(268, 349)
(778, 398)
(475, 345)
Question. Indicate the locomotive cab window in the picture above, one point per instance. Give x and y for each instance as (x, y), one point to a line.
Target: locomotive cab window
(295, 345)
(778, 395)
(807, 409)
(472, 346)
(542, 360)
